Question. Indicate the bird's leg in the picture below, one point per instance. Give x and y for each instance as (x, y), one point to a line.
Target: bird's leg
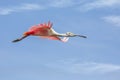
(19, 39)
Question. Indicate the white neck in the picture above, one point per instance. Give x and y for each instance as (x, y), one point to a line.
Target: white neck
(62, 35)
(53, 32)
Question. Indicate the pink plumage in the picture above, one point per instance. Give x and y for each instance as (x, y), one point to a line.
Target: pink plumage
(45, 30)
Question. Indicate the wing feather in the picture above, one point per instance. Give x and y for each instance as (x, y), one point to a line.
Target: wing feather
(41, 26)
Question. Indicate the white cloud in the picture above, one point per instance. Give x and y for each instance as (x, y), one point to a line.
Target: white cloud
(23, 7)
(84, 67)
(5, 11)
(32, 6)
(82, 5)
(92, 67)
(61, 3)
(99, 4)
(115, 20)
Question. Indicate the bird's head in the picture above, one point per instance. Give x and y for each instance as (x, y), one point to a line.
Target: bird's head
(70, 34)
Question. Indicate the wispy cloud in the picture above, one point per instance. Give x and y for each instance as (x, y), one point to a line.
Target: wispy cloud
(20, 8)
(82, 5)
(99, 4)
(84, 67)
(33, 6)
(61, 3)
(5, 11)
(115, 20)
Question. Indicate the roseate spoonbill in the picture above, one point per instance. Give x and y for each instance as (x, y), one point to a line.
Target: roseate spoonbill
(45, 30)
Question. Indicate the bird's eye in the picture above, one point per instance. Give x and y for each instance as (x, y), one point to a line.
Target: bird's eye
(69, 33)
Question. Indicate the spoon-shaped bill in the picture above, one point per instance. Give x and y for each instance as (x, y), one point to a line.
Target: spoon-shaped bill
(19, 39)
(16, 40)
(82, 36)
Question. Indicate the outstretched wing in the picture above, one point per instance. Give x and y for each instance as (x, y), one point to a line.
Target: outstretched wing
(65, 39)
(51, 37)
(41, 26)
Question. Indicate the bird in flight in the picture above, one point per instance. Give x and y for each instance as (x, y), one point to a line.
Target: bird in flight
(45, 30)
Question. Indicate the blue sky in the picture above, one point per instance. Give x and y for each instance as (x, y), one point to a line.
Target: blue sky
(94, 58)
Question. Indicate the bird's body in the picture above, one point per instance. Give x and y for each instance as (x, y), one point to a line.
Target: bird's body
(46, 31)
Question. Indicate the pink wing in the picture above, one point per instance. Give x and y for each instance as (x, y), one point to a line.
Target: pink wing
(41, 26)
(65, 39)
(33, 28)
(51, 37)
